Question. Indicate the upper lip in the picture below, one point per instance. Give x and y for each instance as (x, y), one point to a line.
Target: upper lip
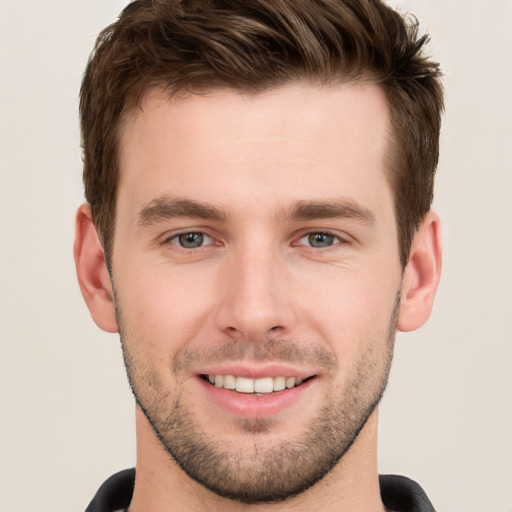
(255, 371)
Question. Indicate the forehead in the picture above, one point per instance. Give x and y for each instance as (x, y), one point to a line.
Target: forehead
(297, 107)
(290, 136)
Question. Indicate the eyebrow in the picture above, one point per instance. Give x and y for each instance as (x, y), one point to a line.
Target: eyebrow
(315, 210)
(164, 208)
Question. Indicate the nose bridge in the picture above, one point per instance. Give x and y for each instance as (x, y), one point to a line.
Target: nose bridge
(255, 302)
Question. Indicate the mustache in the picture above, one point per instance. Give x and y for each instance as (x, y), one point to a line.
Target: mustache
(274, 350)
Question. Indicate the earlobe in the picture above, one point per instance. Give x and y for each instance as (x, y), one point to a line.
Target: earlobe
(92, 272)
(421, 276)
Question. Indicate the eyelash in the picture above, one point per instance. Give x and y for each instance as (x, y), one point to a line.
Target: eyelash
(337, 240)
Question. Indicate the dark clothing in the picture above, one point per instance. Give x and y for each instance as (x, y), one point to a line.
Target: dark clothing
(115, 493)
(402, 494)
(398, 494)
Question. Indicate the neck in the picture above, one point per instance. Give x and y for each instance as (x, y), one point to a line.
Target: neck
(162, 486)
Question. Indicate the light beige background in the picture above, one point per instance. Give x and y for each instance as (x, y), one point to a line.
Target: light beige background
(66, 414)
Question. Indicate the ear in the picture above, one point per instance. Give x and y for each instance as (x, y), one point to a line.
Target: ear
(421, 275)
(91, 269)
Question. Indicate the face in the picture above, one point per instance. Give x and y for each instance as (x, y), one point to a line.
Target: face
(256, 274)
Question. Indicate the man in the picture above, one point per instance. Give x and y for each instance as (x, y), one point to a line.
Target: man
(259, 176)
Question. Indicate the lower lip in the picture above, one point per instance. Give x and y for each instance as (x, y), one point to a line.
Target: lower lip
(245, 405)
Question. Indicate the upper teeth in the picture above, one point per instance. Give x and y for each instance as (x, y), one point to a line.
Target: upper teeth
(245, 385)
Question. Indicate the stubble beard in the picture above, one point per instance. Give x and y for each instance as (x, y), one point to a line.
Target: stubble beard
(263, 471)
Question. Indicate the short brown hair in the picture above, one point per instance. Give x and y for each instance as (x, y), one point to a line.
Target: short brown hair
(253, 45)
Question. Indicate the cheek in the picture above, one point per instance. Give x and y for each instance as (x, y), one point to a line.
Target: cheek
(351, 309)
(344, 306)
(165, 306)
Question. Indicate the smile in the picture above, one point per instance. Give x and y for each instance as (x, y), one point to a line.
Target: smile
(263, 385)
(256, 392)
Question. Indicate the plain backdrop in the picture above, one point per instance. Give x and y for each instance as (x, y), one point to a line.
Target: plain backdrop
(66, 413)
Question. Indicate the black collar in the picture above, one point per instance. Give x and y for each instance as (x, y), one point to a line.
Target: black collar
(398, 493)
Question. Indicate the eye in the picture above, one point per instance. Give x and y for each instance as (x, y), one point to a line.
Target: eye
(191, 240)
(319, 240)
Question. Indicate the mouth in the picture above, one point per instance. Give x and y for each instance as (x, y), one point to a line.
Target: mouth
(258, 387)
(257, 391)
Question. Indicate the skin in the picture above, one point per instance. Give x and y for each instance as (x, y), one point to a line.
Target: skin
(257, 284)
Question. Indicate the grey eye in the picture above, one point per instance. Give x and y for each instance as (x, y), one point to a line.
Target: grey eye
(191, 240)
(319, 240)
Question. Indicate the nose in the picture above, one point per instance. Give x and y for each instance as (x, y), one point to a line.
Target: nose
(256, 302)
